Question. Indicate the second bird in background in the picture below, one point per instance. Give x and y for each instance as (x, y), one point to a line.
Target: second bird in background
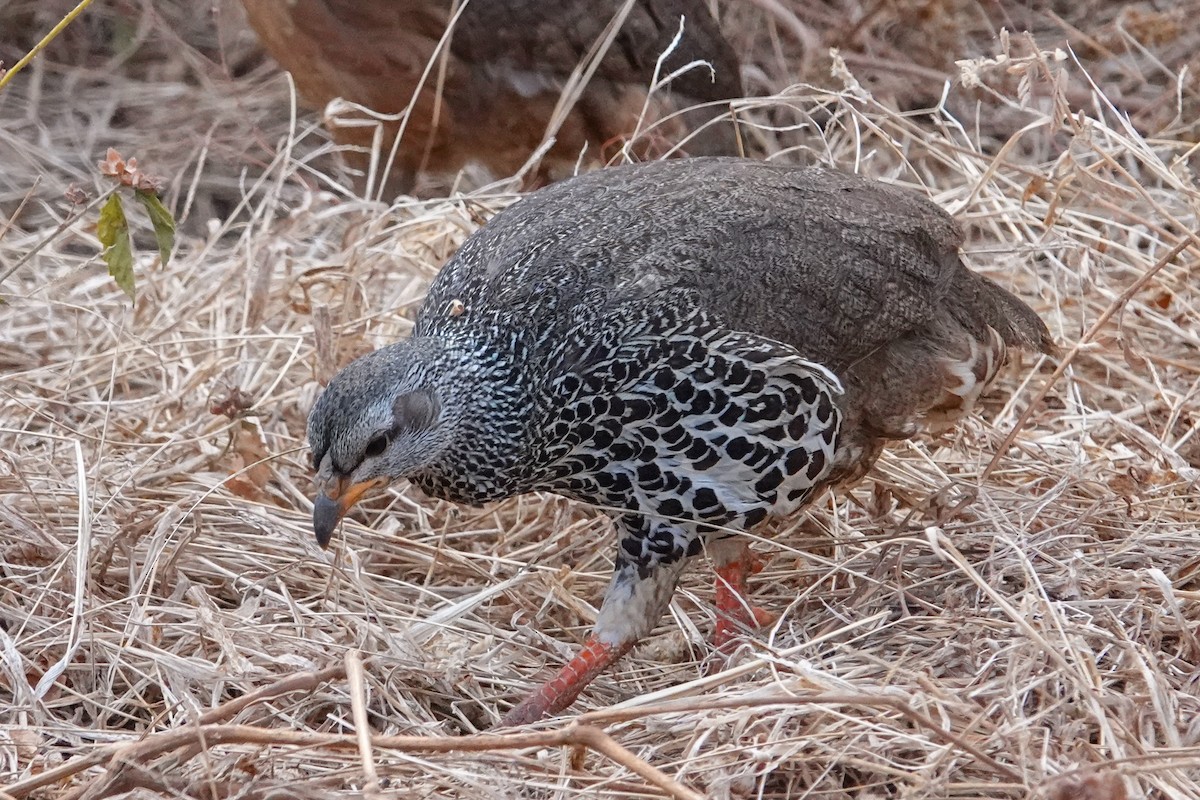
(503, 83)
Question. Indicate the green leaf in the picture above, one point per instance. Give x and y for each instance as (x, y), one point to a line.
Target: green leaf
(164, 223)
(113, 230)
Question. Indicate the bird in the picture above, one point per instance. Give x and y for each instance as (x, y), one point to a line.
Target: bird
(492, 92)
(694, 346)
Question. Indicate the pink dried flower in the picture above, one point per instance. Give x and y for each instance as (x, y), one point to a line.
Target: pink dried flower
(128, 173)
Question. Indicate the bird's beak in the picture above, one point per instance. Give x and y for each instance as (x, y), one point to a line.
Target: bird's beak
(334, 500)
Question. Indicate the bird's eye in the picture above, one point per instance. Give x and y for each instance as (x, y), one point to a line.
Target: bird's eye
(377, 445)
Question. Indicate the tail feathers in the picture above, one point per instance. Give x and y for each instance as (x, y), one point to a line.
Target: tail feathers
(927, 379)
(1018, 324)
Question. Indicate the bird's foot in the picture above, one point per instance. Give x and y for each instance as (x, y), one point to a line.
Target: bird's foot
(733, 623)
(734, 612)
(560, 691)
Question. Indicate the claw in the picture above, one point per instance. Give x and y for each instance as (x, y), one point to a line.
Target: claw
(729, 629)
(734, 612)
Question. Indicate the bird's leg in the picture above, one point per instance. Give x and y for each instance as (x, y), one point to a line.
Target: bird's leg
(735, 562)
(560, 691)
(650, 558)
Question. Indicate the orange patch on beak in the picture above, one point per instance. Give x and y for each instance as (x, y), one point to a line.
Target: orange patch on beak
(333, 503)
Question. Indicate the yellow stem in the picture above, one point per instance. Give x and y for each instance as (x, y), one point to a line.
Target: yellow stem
(47, 39)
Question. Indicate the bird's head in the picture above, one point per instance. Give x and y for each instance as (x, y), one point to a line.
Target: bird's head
(380, 419)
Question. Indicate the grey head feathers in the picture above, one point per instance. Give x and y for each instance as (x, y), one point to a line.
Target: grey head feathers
(378, 400)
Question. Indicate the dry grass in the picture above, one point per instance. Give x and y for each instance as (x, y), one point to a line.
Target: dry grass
(168, 627)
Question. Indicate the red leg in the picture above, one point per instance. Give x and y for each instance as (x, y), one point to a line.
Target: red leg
(734, 612)
(560, 691)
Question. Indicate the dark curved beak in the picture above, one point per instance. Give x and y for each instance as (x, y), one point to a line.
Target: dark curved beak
(333, 502)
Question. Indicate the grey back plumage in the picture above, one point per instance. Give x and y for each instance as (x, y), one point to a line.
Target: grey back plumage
(832, 264)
